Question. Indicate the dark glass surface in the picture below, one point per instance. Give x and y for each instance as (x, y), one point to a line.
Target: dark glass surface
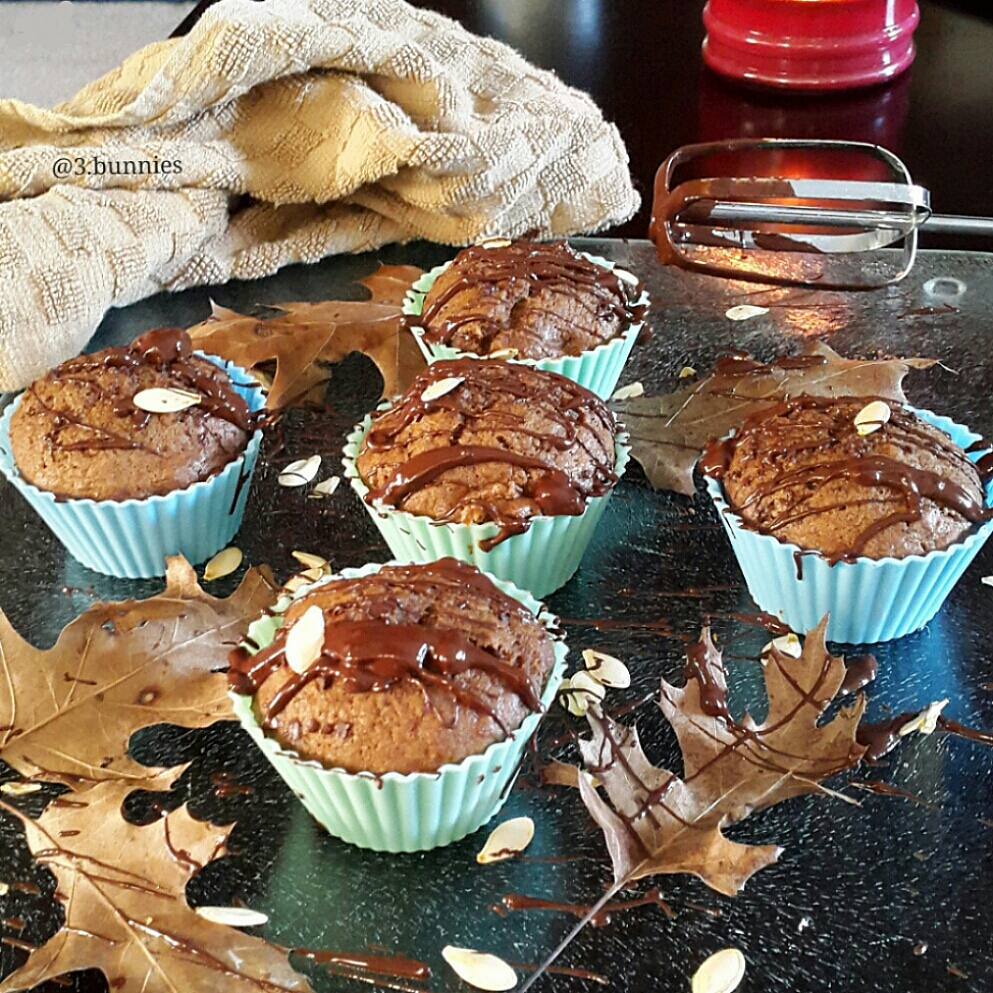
(857, 888)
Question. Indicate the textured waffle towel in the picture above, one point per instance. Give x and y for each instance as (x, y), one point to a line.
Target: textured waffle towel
(277, 133)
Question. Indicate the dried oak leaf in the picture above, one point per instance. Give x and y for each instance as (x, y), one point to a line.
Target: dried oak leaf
(304, 339)
(123, 889)
(669, 432)
(68, 712)
(658, 823)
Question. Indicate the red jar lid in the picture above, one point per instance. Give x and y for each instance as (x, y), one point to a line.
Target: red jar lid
(810, 44)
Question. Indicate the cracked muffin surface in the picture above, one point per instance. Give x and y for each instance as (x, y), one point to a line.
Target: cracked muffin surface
(803, 472)
(474, 441)
(539, 300)
(77, 432)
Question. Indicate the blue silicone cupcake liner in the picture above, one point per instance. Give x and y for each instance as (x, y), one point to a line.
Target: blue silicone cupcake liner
(413, 812)
(133, 538)
(868, 600)
(598, 369)
(542, 559)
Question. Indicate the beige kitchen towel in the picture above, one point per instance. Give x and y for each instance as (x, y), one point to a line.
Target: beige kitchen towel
(282, 132)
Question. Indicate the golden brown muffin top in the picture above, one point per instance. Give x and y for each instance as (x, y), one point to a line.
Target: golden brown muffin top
(505, 443)
(802, 472)
(420, 666)
(542, 300)
(77, 432)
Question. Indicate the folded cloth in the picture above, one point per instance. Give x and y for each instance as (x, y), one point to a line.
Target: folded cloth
(277, 133)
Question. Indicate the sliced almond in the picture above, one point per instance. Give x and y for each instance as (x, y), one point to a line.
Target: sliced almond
(721, 973)
(294, 583)
(495, 243)
(440, 388)
(745, 312)
(687, 372)
(626, 277)
(509, 839)
(222, 564)
(281, 605)
(607, 670)
(629, 392)
(165, 400)
(4, 889)
(19, 788)
(311, 561)
(787, 644)
(579, 692)
(305, 640)
(926, 722)
(872, 417)
(301, 472)
(504, 353)
(326, 487)
(233, 916)
(480, 969)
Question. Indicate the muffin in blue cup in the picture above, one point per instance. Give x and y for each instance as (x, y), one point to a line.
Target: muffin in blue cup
(861, 508)
(397, 701)
(493, 463)
(137, 453)
(542, 304)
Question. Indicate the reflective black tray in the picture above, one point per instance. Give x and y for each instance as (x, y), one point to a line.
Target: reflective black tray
(858, 892)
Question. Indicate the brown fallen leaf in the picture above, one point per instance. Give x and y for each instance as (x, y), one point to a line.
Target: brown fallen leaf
(669, 432)
(303, 339)
(658, 823)
(67, 713)
(123, 888)
(389, 283)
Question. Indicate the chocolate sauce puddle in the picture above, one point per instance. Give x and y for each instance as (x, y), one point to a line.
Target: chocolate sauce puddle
(517, 902)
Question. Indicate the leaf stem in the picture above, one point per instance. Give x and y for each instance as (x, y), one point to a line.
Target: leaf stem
(568, 939)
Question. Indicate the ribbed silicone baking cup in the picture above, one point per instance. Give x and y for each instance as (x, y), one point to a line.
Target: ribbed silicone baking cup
(868, 600)
(132, 538)
(540, 560)
(410, 812)
(598, 369)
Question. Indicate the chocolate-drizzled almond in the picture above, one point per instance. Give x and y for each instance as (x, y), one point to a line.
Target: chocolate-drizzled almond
(802, 471)
(508, 443)
(78, 432)
(423, 664)
(542, 299)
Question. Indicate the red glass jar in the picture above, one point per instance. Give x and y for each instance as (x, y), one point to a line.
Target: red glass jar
(810, 44)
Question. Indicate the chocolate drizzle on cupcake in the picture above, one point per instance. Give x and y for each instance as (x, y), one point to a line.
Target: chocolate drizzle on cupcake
(78, 432)
(800, 471)
(543, 299)
(542, 445)
(403, 627)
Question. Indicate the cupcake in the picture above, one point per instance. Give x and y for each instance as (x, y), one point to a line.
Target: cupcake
(493, 463)
(134, 454)
(862, 509)
(544, 304)
(396, 701)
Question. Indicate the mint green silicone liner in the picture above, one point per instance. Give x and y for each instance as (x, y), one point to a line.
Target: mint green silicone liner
(541, 560)
(598, 370)
(418, 811)
(868, 600)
